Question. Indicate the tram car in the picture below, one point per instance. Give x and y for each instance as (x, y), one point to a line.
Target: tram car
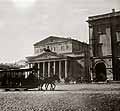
(18, 78)
(26, 79)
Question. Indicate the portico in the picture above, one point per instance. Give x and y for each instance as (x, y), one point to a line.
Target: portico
(49, 63)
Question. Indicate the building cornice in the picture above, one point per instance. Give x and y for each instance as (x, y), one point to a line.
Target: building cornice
(103, 16)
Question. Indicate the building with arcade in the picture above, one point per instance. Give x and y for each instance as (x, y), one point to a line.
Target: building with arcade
(104, 39)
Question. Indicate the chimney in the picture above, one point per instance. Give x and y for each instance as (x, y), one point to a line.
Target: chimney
(113, 10)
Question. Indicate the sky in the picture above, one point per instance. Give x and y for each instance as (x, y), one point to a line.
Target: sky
(25, 22)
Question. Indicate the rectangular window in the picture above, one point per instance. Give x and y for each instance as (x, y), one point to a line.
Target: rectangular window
(67, 47)
(40, 50)
(51, 49)
(100, 45)
(118, 36)
(36, 50)
(62, 48)
(54, 48)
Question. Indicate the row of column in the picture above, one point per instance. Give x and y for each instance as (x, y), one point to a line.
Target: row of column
(54, 68)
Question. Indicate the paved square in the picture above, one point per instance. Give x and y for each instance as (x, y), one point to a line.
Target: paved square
(77, 97)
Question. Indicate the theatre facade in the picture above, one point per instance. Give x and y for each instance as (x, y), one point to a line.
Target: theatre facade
(65, 57)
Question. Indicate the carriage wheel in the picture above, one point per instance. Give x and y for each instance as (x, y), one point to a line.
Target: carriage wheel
(7, 89)
(25, 89)
(17, 89)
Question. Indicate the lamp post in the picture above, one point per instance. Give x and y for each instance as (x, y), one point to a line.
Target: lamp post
(113, 45)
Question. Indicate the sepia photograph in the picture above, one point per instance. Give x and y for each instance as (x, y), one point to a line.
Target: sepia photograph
(59, 55)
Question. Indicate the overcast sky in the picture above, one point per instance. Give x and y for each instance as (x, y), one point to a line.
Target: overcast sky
(25, 22)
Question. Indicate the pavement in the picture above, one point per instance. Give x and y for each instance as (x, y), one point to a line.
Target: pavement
(72, 97)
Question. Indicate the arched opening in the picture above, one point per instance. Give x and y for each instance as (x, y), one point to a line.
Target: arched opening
(100, 70)
(117, 77)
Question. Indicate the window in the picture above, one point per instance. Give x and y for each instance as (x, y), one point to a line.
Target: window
(67, 47)
(51, 49)
(102, 30)
(41, 50)
(118, 36)
(118, 43)
(36, 50)
(100, 49)
(54, 48)
(62, 48)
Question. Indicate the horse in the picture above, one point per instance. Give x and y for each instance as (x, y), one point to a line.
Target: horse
(33, 81)
(30, 82)
(49, 81)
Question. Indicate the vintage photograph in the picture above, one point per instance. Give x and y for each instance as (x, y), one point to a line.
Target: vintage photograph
(59, 55)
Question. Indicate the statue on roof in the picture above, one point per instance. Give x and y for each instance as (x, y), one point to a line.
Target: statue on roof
(47, 49)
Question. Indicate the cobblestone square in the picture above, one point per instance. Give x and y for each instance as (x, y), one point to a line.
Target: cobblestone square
(77, 97)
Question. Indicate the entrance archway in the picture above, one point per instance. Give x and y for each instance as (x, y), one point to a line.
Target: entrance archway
(117, 77)
(100, 70)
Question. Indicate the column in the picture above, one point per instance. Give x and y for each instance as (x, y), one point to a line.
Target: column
(60, 69)
(38, 70)
(29, 65)
(66, 70)
(91, 76)
(48, 69)
(54, 68)
(43, 69)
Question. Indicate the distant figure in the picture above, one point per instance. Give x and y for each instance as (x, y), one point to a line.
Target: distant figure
(35, 67)
(31, 78)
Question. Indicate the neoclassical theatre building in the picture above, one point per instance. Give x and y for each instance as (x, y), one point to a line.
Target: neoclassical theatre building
(66, 57)
(104, 39)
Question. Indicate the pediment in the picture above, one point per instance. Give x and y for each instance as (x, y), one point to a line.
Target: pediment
(46, 56)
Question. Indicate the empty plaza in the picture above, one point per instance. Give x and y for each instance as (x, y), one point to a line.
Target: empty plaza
(72, 97)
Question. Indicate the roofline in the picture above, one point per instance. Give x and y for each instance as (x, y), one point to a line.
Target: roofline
(49, 37)
(102, 16)
(80, 42)
(67, 39)
(53, 42)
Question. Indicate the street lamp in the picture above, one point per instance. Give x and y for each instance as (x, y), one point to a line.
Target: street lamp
(113, 39)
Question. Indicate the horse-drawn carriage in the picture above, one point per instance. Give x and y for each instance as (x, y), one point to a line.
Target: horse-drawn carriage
(26, 79)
